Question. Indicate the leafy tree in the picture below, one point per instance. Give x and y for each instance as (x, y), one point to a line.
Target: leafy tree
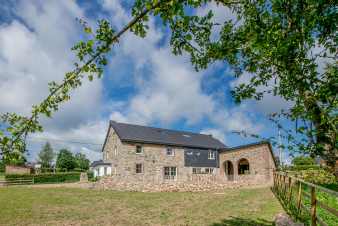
(65, 160)
(279, 45)
(303, 160)
(81, 161)
(274, 42)
(46, 156)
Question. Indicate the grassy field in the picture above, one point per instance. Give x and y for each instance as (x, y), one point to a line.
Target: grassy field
(75, 206)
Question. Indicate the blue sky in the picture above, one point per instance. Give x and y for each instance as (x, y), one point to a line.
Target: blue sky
(144, 82)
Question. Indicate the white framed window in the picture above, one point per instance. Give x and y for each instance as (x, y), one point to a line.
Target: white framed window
(170, 173)
(139, 168)
(211, 155)
(196, 170)
(209, 170)
(139, 149)
(170, 151)
(105, 171)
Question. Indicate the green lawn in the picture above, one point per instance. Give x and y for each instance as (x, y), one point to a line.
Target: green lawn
(75, 206)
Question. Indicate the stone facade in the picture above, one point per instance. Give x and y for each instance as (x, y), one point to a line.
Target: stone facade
(154, 158)
(259, 157)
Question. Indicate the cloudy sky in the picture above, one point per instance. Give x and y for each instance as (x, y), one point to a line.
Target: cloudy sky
(144, 82)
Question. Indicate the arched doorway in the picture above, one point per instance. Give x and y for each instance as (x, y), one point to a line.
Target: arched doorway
(243, 167)
(229, 170)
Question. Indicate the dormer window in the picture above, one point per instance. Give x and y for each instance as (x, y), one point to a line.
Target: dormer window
(211, 155)
(170, 151)
(139, 149)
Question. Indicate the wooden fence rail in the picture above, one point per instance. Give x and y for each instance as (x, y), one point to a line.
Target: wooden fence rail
(17, 182)
(285, 186)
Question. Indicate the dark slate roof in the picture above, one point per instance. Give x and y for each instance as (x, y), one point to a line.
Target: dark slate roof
(151, 135)
(99, 163)
(264, 142)
(246, 146)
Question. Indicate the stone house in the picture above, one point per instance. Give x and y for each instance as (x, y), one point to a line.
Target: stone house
(147, 156)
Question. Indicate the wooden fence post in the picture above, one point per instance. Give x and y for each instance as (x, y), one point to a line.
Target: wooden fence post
(299, 197)
(313, 207)
(279, 183)
(284, 186)
(290, 190)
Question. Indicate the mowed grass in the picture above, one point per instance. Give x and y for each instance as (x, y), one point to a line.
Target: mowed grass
(75, 206)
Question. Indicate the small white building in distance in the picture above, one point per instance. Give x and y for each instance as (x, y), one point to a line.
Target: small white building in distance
(101, 168)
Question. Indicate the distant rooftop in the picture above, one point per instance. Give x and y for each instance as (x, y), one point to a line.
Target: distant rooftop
(99, 163)
(151, 135)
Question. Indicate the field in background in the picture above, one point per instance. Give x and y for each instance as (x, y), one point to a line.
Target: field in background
(62, 206)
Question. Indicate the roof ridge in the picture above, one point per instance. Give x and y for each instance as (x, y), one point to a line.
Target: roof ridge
(173, 130)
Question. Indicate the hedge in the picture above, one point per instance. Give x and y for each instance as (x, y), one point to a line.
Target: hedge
(46, 177)
(320, 177)
(305, 167)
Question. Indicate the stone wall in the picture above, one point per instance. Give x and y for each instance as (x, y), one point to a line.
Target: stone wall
(17, 170)
(261, 163)
(112, 183)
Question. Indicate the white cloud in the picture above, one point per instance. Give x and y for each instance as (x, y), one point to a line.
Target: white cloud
(217, 133)
(269, 103)
(36, 50)
(168, 90)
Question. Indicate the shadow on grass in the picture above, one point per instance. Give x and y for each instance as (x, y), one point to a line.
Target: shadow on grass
(239, 221)
(291, 208)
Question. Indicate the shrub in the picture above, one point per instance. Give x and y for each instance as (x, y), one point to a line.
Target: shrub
(10, 177)
(47, 177)
(303, 160)
(304, 167)
(58, 170)
(90, 175)
(46, 170)
(316, 176)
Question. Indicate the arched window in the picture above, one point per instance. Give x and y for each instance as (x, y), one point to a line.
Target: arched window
(243, 166)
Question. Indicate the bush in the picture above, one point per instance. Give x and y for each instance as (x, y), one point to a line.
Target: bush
(10, 177)
(58, 170)
(46, 170)
(304, 167)
(90, 175)
(320, 177)
(303, 160)
(47, 177)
